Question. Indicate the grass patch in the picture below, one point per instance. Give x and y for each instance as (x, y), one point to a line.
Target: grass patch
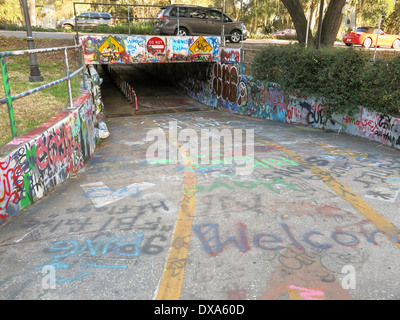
(38, 107)
(140, 28)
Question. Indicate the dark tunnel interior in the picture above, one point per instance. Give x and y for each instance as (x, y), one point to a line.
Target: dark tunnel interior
(155, 88)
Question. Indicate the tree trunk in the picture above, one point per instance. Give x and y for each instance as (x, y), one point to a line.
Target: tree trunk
(299, 20)
(32, 12)
(314, 9)
(331, 23)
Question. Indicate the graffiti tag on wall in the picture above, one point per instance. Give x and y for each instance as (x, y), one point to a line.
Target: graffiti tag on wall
(149, 49)
(46, 160)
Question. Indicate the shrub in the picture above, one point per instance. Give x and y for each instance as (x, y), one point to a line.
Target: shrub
(381, 86)
(342, 78)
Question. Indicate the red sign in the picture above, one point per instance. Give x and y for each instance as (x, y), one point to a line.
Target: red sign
(155, 44)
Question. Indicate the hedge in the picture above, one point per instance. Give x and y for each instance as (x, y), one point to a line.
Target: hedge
(343, 78)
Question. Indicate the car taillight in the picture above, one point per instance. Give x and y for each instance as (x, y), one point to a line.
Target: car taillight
(162, 17)
(112, 21)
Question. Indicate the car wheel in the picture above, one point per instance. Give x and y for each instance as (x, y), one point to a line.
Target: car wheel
(367, 43)
(182, 32)
(396, 44)
(68, 27)
(235, 36)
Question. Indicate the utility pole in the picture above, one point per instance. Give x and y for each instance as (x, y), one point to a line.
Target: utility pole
(377, 35)
(35, 75)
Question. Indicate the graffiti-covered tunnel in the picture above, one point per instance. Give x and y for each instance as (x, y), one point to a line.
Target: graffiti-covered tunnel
(157, 74)
(138, 89)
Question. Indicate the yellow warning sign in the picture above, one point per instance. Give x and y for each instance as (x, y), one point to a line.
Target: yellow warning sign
(110, 46)
(200, 46)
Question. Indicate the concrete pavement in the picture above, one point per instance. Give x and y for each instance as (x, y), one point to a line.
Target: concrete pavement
(316, 218)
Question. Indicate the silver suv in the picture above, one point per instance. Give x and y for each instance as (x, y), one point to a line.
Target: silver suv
(87, 20)
(196, 20)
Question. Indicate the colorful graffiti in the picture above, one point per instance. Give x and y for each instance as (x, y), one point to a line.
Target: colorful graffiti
(46, 160)
(213, 241)
(149, 49)
(227, 88)
(378, 127)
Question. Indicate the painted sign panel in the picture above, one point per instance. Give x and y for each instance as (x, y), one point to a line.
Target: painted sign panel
(156, 44)
(200, 46)
(149, 49)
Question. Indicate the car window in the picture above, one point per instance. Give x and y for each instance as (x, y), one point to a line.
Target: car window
(198, 13)
(215, 15)
(364, 29)
(182, 12)
(227, 19)
(94, 15)
(82, 16)
(104, 15)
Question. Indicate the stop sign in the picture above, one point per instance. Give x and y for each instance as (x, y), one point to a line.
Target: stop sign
(155, 44)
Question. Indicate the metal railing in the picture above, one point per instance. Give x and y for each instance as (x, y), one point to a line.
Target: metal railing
(6, 81)
(130, 18)
(123, 85)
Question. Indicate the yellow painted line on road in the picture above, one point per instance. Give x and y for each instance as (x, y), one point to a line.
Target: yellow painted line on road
(172, 279)
(380, 222)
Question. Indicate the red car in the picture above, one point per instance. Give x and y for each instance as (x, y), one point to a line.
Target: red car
(366, 36)
(286, 32)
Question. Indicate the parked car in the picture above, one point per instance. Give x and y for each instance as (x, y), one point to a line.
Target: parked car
(285, 32)
(366, 36)
(87, 20)
(197, 20)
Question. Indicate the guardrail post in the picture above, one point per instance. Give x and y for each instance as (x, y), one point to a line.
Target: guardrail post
(177, 32)
(9, 97)
(129, 22)
(68, 78)
(83, 67)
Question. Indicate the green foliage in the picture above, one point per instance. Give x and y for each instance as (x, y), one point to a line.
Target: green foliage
(391, 23)
(135, 28)
(342, 78)
(10, 12)
(381, 87)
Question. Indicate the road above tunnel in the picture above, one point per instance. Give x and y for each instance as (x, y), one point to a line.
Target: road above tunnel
(313, 216)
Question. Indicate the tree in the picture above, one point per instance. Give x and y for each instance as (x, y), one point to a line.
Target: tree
(32, 12)
(330, 25)
(391, 24)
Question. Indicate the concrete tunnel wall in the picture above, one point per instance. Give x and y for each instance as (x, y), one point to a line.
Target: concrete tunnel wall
(223, 86)
(35, 163)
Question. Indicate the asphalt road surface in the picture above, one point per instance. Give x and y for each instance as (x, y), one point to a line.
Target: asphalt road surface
(306, 215)
(249, 43)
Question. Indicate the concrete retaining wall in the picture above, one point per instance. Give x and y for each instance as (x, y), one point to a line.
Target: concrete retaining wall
(35, 163)
(223, 86)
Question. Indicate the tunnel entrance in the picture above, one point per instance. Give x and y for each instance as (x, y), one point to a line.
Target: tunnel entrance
(153, 95)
